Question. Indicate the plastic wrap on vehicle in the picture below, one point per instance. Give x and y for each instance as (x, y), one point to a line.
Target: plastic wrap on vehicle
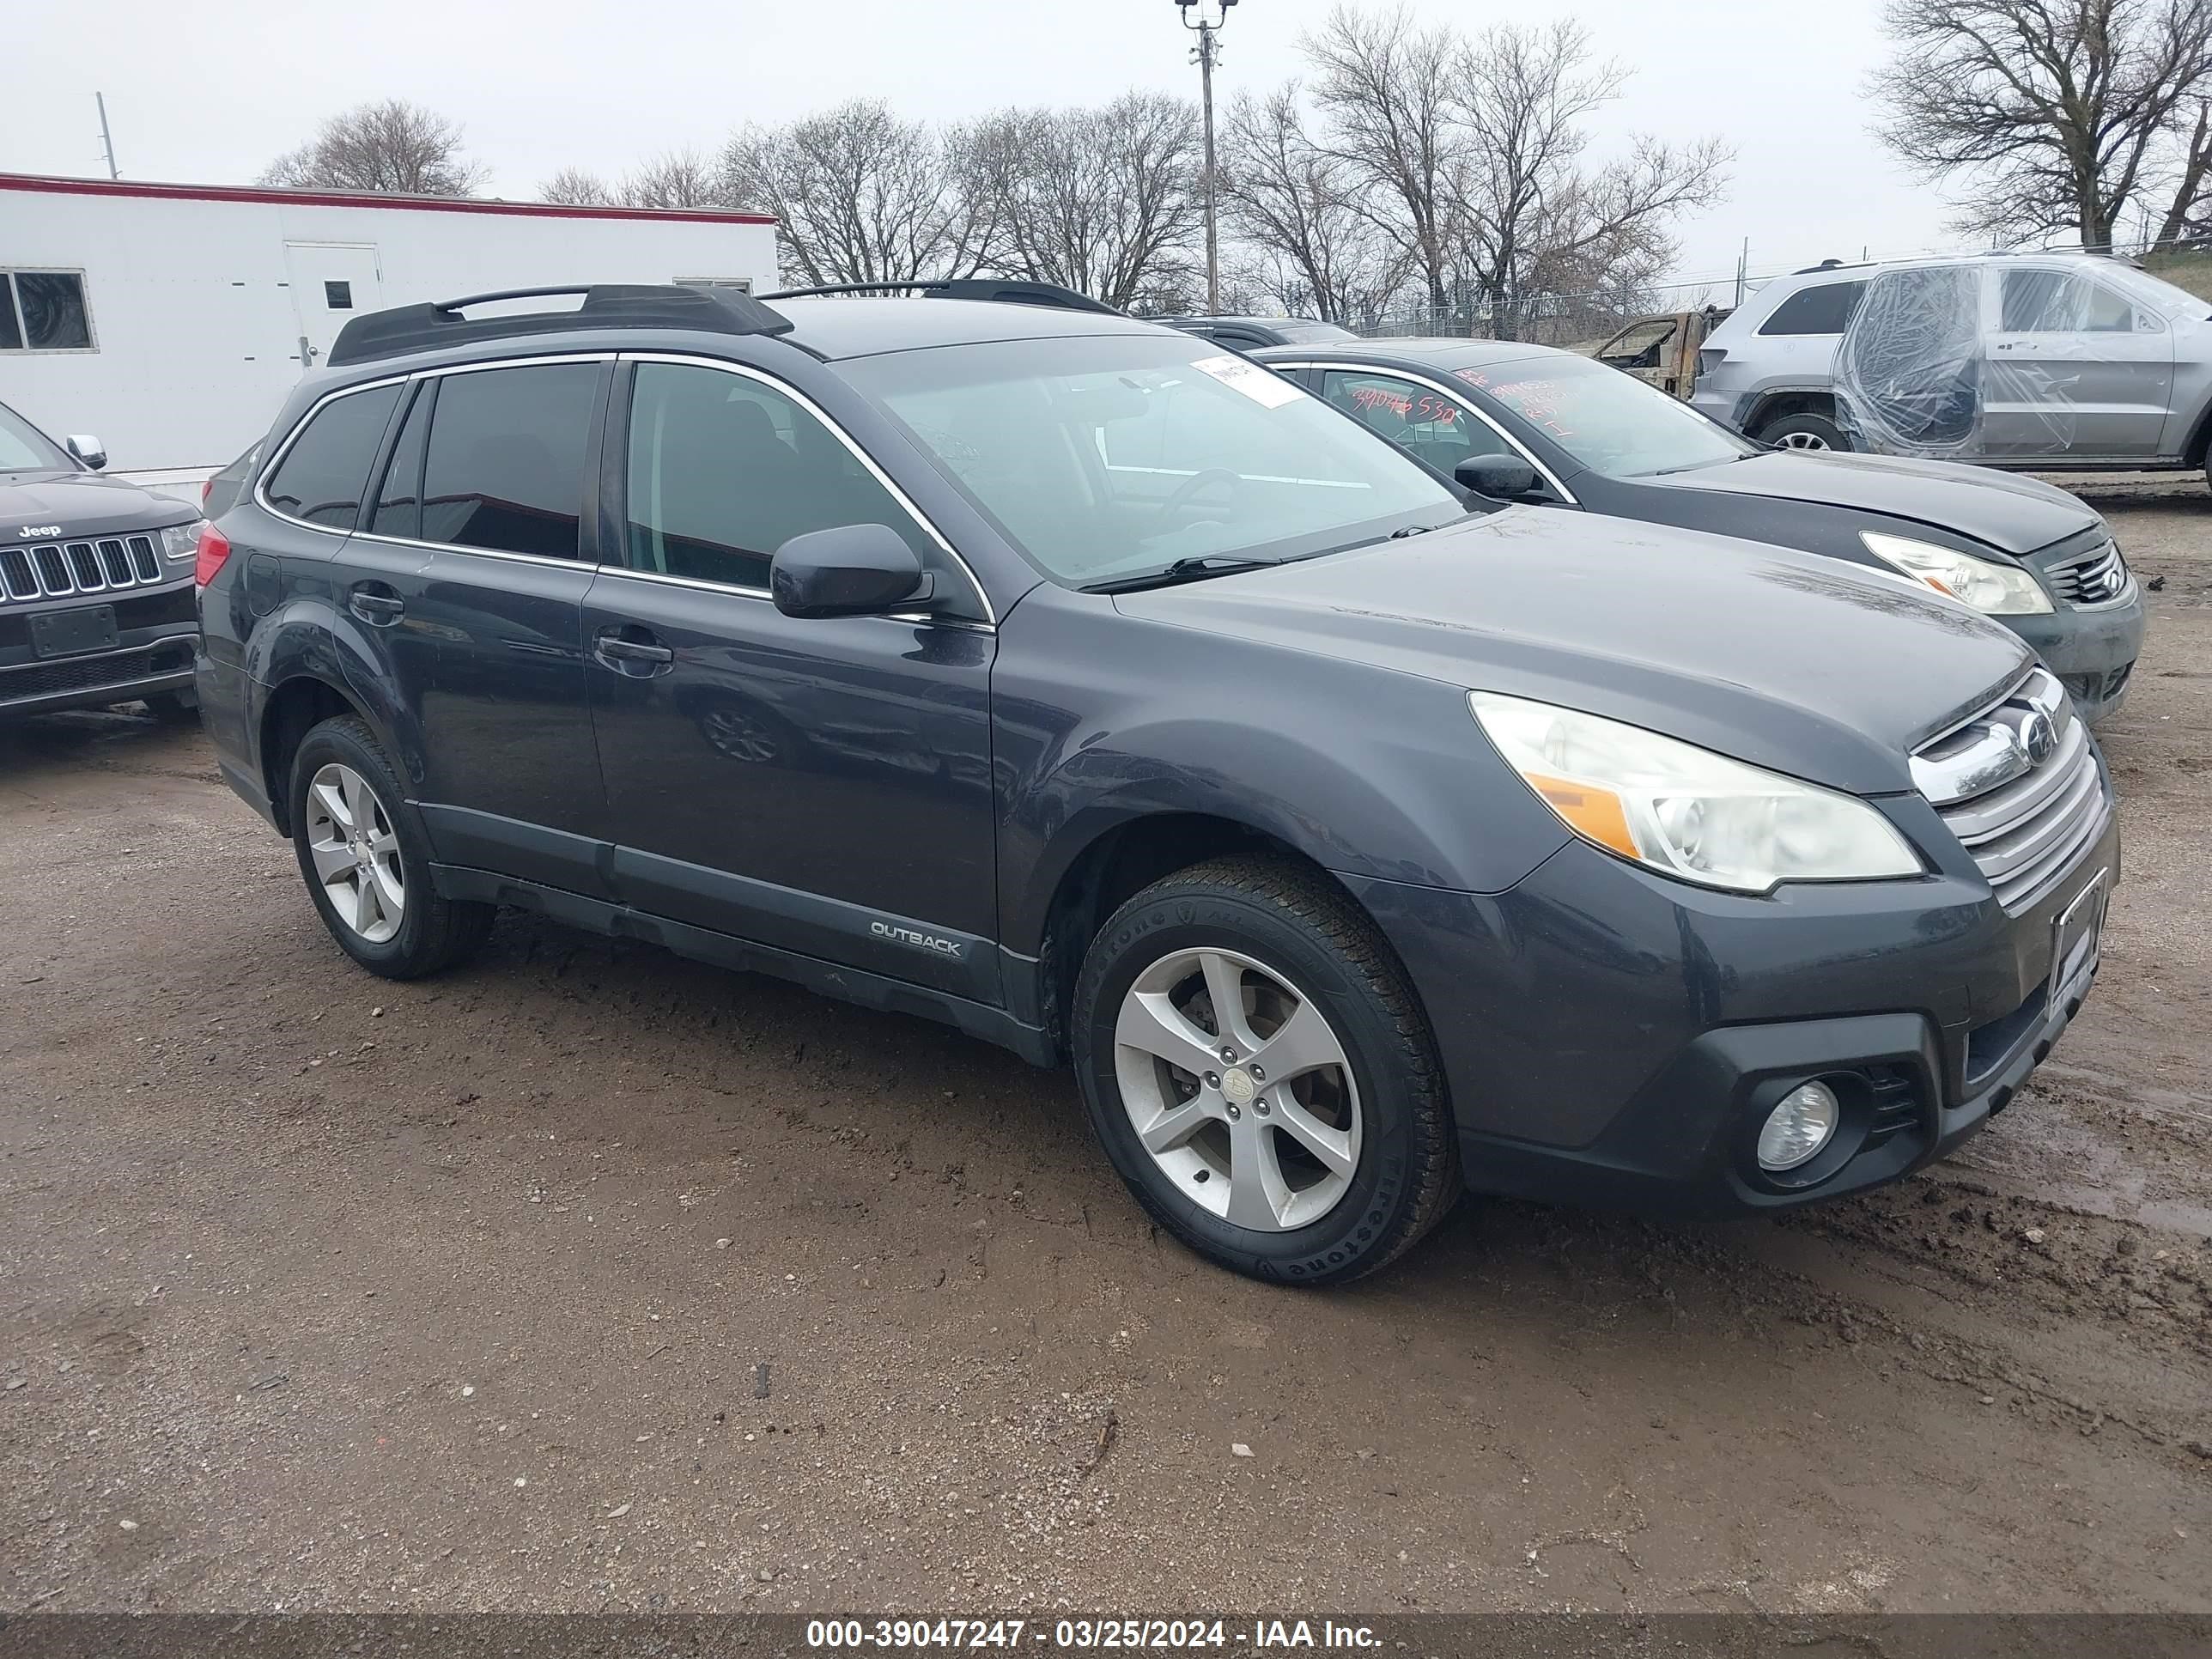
(1913, 376)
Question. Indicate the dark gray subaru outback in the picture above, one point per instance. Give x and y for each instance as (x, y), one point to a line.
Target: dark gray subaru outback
(1091, 689)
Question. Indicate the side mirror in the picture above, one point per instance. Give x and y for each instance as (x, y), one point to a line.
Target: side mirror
(1499, 477)
(853, 570)
(86, 449)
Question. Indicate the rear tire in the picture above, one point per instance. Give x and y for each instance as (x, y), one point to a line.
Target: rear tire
(1804, 430)
(1327, 1169)
(367, 863)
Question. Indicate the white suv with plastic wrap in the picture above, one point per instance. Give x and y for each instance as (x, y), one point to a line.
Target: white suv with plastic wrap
(2008, 360)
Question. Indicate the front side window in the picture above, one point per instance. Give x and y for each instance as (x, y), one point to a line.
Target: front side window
(2059, 302)
(1437, 430)
(1111, 456)
(44, 311)
(323, 474)
(724, 470)
(507, 453)
(24, 448)
(1824, 310)
(1611, 422)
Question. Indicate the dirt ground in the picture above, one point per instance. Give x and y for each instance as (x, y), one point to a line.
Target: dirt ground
(589, 1279)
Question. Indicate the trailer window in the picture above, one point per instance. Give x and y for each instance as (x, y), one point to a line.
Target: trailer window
(44, 311)
(322, 474)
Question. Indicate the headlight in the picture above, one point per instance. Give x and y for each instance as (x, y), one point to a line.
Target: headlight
(1685, 810)
(182, 541)
(1995, 590)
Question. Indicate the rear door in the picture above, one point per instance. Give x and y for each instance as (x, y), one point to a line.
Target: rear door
(820, 786)
(467, 580)
(331, 283)
(2075, 368)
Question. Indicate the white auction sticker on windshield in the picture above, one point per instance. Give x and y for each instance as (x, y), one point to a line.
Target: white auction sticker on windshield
(1261, 386)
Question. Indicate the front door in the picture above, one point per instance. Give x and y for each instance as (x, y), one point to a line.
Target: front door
(331, 283)
(2073, 367)
(821, 786)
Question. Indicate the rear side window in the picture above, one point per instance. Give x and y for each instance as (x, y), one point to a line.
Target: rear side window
(1823, 310)
(398, 509)
(324, 473)
(508, 451)
(723, 470)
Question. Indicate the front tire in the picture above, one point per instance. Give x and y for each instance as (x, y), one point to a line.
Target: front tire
(366, 862)
(1804, 431)
(1305, 1139)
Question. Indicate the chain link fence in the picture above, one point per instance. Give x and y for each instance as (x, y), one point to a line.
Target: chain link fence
(1571, 321)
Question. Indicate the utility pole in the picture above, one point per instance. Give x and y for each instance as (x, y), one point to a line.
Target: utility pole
(1207, 53)
(106, 142)
(1742, 270)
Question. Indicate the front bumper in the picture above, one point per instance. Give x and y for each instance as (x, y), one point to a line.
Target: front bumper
(155, 632)
(2093, 652)
(1613, 1039)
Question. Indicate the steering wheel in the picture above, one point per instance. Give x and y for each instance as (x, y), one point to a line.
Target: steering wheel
(1187, 491)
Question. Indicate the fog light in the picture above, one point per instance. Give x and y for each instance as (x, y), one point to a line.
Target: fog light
(1798, 1128)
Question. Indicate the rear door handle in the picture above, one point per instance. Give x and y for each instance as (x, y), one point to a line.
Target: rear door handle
(376, 605)
(629, 656)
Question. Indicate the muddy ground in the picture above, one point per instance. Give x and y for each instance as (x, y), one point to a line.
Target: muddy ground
(590, 1278)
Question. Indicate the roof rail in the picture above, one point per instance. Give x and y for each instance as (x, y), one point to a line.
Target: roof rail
(1008, 291)
(608, 305)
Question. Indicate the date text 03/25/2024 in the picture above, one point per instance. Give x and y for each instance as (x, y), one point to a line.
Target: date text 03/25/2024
(1088, 1634)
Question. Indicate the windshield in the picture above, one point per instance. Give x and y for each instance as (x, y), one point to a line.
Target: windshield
(24, 448)
(1610, 422)
(1312, 333)
(1109, 456)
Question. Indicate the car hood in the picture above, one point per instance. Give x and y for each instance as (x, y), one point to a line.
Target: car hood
(82, 503)
(2012, 514)
(1788, 660)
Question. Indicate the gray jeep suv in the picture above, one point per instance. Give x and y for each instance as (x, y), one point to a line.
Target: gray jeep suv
(2032, 359)
(1087, 686)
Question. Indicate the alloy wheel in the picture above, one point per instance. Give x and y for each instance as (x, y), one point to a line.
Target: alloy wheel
(356, 852)
(1801, 440)
(1239, 1088)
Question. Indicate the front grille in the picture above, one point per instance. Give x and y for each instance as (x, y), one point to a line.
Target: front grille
(58, 570)
(2019, 787)
(2100, 688)
(2094, 580)
(118, 668)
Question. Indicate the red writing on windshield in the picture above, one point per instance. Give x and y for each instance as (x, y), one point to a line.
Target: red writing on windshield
(1427, 407)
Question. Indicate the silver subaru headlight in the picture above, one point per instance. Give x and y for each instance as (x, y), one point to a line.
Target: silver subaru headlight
(1685, 810)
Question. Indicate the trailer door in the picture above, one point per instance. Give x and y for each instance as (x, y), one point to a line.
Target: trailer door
(331, 283)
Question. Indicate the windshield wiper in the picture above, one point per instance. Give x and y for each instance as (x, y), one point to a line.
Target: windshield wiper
(1191, 570)
(1406, 530)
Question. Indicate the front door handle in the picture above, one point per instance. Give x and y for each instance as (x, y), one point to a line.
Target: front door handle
(630, 656)
(376, 605)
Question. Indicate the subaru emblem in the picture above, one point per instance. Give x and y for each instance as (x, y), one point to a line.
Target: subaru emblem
(2039, 737)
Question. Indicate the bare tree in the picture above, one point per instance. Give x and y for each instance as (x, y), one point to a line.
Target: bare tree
(2051, 110)
(860, 194)
(392, 146)
(1105, 200)
(676, 178)
(2186, 210)
(577, 187)
(1385, 86)
(1295, 205)
(1536, 217)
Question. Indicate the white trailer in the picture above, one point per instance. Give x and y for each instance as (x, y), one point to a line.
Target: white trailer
(169, 320)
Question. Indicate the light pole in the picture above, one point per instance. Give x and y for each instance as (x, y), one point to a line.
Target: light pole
(1207, 52)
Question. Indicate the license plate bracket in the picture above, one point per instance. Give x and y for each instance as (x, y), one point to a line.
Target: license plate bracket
(71, 633)
(2074, 935)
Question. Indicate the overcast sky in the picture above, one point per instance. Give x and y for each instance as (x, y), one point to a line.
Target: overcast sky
(207, 91)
